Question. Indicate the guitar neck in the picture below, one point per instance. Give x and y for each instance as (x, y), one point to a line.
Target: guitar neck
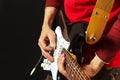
(73, 69)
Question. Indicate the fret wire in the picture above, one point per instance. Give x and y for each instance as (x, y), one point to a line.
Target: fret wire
(77, 73)
(69, 57)
(71, 72)
(71, 64)
(83, 75)
(69, 60)
(80, 71)
(67, 68)
(74, 68)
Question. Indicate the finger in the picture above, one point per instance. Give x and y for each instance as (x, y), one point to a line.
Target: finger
(44, 45)
(52, 40)
(42, 42)
(45, 50)
(47, 55)
(61, 61)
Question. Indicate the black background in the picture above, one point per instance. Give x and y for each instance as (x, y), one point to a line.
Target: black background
(20, 26)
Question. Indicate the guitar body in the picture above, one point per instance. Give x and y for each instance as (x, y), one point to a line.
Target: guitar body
(71, 61)
(77, 37)
(61, 43)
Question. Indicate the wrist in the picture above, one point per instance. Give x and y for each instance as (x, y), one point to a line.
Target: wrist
(93, 67)
(50, 13)
(46, 26)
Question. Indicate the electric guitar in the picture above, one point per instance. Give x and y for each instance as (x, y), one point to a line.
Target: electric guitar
(72, 67)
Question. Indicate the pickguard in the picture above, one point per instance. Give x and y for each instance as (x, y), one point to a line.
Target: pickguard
(61, 43)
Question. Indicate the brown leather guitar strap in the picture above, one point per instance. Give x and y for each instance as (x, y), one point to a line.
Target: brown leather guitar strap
(98, 20)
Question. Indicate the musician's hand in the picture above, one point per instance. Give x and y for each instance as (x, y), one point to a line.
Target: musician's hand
(93, 67)
(90, 69)
(47, 42)
(61, 67)
(61, 62)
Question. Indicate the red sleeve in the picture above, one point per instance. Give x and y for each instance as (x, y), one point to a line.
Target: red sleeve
(111, 43)
(54, 3)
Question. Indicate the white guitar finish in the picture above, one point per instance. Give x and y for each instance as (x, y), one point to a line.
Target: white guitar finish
(61, 43)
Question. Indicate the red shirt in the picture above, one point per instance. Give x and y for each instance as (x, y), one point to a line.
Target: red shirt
(107, 49)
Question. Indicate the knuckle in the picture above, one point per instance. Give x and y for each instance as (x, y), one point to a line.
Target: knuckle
(38, 43)
(44, 47)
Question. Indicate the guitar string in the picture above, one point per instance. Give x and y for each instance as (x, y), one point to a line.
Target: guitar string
(80, 76)
(73, 72)
(77, 75)
(70, 71)
(71, 64)
(77, 67)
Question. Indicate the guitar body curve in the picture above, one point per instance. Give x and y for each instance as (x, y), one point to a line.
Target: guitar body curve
(61, 43)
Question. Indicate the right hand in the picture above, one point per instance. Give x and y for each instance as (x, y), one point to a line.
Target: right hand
(47, 42)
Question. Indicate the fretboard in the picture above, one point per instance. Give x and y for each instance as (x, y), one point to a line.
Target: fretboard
(74, 70)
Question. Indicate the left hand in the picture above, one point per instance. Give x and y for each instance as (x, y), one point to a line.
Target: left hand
(61, 67)
(90, 69)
